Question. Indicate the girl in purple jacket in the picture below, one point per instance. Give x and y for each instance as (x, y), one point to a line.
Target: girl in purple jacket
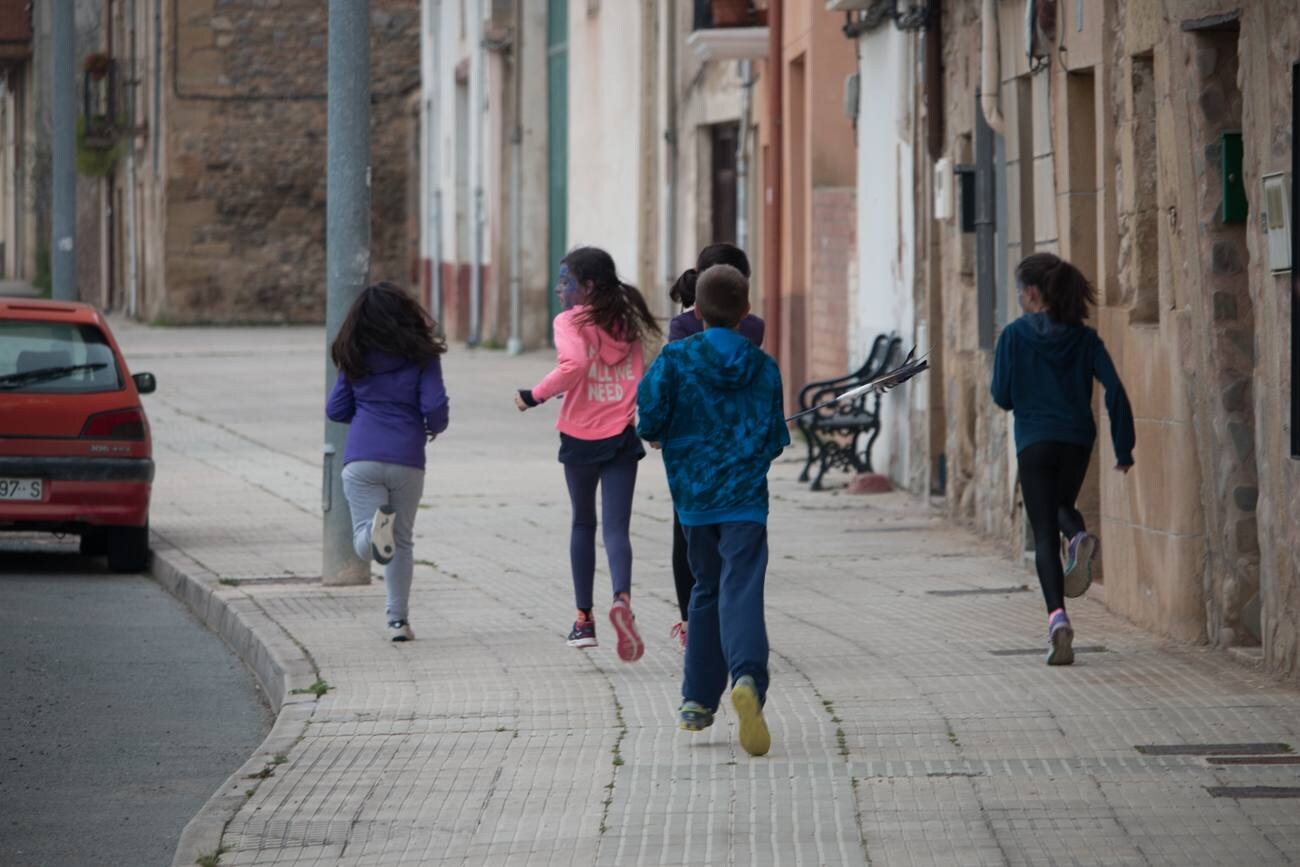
(683, 325)
(389, 389)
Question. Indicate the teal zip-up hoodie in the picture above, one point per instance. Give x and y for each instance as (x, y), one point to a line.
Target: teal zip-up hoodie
(714, 402)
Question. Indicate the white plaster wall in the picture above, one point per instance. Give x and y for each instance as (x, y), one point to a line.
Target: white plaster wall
(604, 128)
(881, 299)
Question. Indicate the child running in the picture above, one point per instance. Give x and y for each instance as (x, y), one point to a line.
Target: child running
(599, 364)
(685, 324)
(1043, 370)
(390, 390)
(713, 403)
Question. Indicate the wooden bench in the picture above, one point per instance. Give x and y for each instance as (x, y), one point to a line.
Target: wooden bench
(841, 436)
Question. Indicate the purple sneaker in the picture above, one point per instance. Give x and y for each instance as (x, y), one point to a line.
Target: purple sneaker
(1079, 555)
(1060, 639)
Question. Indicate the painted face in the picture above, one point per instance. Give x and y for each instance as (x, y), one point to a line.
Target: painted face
(566, 288)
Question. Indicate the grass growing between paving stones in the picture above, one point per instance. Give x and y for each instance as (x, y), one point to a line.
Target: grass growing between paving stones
(318, 689)
(229, 582)
(212, 859)
(618, 754)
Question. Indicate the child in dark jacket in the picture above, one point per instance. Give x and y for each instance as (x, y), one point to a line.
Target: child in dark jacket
(1043, 370)
(390, 390)
(713, 403)
(687, 324)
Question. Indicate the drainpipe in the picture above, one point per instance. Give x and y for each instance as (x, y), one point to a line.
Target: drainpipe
(132, 262)
(990, 67)
(772, 206)
(515, 344)
(933, 37)
(433, 185)
(670, 139)
(476, 102)
(746, 68)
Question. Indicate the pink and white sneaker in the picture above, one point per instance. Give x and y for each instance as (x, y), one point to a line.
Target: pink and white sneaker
(630, 646)
(678, 633)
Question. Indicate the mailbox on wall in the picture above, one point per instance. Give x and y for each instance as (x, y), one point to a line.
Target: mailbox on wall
(1276, 217)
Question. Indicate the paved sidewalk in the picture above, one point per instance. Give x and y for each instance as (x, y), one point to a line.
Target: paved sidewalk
(913, 722)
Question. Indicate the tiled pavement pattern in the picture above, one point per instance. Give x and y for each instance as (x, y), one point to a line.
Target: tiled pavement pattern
(900, 736)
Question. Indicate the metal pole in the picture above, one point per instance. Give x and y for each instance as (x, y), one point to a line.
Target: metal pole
(515, 344)
(746, 69)
(347, 250)
(132, 261)
(64, 105)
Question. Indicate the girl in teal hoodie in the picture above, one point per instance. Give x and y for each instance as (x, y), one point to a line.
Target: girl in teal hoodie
(1043, 370)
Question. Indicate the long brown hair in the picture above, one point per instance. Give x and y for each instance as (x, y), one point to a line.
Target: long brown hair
(613, 306)
(384, 318)
(1066, 292)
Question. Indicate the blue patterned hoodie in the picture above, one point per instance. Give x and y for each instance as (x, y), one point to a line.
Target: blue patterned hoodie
(714, 401)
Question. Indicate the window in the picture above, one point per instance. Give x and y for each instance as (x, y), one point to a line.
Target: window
(56, 358)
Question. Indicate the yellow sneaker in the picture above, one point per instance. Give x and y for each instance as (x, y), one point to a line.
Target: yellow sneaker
(754, 736)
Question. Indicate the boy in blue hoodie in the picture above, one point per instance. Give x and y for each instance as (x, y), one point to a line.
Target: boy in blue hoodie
(713, 402)
(1043, 370)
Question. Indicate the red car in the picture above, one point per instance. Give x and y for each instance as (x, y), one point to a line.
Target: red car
(75, 451)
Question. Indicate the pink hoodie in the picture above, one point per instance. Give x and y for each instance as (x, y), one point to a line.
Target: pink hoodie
(598, 375)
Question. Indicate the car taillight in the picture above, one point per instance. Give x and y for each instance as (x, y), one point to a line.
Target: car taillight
(120, 424)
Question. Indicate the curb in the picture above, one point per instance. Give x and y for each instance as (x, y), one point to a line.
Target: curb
(280, 665)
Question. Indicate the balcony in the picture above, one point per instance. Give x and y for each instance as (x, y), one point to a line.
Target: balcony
(729, 30)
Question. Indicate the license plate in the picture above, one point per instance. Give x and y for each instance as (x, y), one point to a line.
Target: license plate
(21, 489)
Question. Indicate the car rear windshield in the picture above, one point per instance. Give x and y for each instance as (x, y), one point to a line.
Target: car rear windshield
(55, 358)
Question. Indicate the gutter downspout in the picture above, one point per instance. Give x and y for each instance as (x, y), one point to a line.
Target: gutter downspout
(132, 261)
(434, 203)
(990, 67)
(515, 343)
(773, 180)
(670, 139)
(746, 69)
(933, 37)
(476, 102)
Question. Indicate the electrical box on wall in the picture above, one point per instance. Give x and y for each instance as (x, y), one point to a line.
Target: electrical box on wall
(943, 189)
(1276, 217)
(1235, 206)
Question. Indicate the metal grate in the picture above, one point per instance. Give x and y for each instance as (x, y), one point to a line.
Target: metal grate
(1253, 791)
(1034, 651)
(981, 591)
(1212, 749)
(1254, 760)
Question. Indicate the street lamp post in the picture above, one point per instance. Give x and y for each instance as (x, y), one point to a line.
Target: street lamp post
(63, 256)
(347, 250)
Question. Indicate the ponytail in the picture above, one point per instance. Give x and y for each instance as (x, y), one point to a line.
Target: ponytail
(1066, 293)
(683, 291)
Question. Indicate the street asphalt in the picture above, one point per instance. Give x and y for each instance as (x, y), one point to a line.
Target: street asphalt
(120, 714)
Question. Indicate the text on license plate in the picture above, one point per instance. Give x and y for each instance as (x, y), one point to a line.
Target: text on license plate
(21, 489)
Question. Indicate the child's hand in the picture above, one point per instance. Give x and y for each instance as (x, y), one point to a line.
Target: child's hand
(1124, 468)
(519, 402)
(655, 445)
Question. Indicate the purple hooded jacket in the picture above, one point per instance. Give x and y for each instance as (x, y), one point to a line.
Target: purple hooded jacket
(684, 325)
(392, 410)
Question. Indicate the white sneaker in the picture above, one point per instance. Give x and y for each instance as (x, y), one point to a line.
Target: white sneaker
(400, 630)
(381, 535)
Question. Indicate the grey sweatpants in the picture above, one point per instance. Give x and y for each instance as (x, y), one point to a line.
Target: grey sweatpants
(369, 485)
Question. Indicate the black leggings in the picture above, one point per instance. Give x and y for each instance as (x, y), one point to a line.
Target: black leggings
(682, 575)
(1051, 475)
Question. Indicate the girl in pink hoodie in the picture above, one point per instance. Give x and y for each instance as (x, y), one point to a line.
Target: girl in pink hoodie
(598, 367)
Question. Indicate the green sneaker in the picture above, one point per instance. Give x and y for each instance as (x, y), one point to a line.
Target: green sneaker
(754, 736)
(693, 717)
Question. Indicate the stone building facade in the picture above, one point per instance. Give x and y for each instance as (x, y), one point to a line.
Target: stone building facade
(229, 150)
(1133, 138)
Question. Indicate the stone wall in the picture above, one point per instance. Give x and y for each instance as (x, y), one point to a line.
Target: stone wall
(245, 187)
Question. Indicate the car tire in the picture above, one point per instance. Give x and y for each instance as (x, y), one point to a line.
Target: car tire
(128, 549)
(94, 543)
